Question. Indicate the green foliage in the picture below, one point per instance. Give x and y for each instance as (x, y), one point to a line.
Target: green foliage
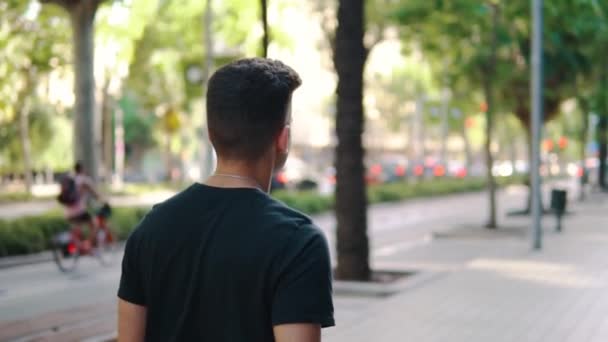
(29, 234)
(172, 42)
(437, 28)
(31, 46)
(44, 139)
(34, 234)
(413, 79)
(138, 125)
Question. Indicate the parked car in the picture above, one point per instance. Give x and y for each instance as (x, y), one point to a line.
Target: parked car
(394, 171)
(429, 168)
(295, 175)
(457, 169)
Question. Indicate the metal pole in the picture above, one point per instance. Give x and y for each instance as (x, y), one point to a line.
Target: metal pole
(536, 120)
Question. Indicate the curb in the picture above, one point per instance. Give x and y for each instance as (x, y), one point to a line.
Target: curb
(22, 260)
(37, 258)
(355, 288)
(109, 337)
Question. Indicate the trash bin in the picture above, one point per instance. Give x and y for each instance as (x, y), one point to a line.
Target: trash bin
(559, 199)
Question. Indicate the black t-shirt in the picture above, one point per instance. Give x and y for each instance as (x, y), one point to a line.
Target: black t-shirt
(217, 264)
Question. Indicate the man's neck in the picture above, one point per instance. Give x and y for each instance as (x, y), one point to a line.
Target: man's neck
(239, 174)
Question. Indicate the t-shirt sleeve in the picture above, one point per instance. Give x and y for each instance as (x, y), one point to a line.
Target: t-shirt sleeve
(131, 283)
(304, 290)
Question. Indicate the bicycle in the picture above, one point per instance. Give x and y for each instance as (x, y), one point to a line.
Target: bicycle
(69, 245)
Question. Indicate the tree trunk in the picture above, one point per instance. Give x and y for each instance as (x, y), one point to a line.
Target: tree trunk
(602, 131)
(602, 137)
(82, 14)
(528, 180)
(119, 147)
(266, 36)
(583, 147)
(488, 75)
(420, 127)
(491, 224)
(24, 134)
(351, 201)
(24, 107)
(168, 158)
(411, 138)
(467, 146)
(206, 155)
(107, 132)
(445, 125)
(513, 150)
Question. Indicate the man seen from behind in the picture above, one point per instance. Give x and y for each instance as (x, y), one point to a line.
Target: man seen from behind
(223, 261)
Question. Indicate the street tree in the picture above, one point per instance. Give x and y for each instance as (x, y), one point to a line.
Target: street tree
(468, 52)
(350, 55)
(82, 17)
(592, 31)
(265, 32)
(31, 44)
(563, 60)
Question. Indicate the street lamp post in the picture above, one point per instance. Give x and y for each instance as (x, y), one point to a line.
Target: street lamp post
(536, 120)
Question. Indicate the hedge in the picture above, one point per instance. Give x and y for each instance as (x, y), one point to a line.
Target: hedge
(130, 189)
(311, 202)
(33, 234)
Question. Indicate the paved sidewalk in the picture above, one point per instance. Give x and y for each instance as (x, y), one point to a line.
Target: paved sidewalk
(497, 289)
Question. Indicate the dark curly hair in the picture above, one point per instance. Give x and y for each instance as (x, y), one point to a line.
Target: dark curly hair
(247, 106)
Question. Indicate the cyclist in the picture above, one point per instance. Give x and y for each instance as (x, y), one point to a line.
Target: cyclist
(77, 189)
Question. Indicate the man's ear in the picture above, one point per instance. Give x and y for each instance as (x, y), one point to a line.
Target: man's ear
(282, 142)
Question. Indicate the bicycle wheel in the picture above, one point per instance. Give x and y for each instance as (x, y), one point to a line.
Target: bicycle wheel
(65, 251)
(105, 250)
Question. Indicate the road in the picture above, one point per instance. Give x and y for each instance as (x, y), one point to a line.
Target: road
(33, 290)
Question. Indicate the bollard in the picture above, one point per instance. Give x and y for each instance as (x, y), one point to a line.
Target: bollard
(559, 199)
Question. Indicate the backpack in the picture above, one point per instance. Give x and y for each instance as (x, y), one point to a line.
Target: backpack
(69, 194)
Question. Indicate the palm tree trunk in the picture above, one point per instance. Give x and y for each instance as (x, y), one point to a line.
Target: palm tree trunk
(82, 14)
(351, 200)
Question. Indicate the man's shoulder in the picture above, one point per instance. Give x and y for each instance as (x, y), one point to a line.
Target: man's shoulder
(162, 213)
(295, 229)
(279, 213)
